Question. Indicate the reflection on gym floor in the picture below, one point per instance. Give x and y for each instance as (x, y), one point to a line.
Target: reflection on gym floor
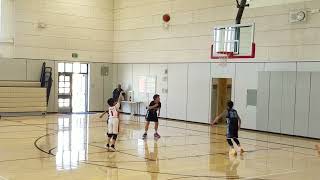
(72, 146)
(152, 162)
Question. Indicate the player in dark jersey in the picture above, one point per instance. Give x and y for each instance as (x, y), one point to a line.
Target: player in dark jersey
(152, 115)
(233, 126)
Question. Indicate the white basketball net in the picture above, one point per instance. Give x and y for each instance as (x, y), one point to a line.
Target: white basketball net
(223, 61)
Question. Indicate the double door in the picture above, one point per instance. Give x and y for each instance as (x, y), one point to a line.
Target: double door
(73, 88)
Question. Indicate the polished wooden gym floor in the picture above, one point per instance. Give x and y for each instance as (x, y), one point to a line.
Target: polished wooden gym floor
(72, 147)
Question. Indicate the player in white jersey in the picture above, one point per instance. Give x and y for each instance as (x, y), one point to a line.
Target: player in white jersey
(113, 123)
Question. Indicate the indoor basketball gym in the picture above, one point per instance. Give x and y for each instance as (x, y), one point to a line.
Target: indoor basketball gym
(64, 63)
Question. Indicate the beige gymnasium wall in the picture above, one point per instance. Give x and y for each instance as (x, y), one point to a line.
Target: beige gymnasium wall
(140, 37)
(7, 28)
(73, 26)
(134, 33)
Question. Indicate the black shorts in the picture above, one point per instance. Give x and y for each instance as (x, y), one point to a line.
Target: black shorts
(152, 116)
(232, 132)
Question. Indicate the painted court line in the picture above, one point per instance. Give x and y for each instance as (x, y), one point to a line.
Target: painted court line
(273, 174)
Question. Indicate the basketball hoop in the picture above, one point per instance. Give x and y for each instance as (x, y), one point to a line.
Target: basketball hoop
(223, 59)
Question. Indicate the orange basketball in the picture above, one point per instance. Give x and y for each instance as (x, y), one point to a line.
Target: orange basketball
(166, 17)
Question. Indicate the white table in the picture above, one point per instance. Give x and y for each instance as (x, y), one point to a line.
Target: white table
(132, 103)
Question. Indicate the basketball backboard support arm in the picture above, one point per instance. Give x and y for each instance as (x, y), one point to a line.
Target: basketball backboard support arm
(241, 6)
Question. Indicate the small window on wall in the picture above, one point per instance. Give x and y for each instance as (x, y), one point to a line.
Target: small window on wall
(64, 102)
(76, 68)
(64, 84)
(84, 68)
(68, 67)
(60, 66)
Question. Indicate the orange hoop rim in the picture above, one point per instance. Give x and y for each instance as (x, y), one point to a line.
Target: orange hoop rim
(231, 55)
